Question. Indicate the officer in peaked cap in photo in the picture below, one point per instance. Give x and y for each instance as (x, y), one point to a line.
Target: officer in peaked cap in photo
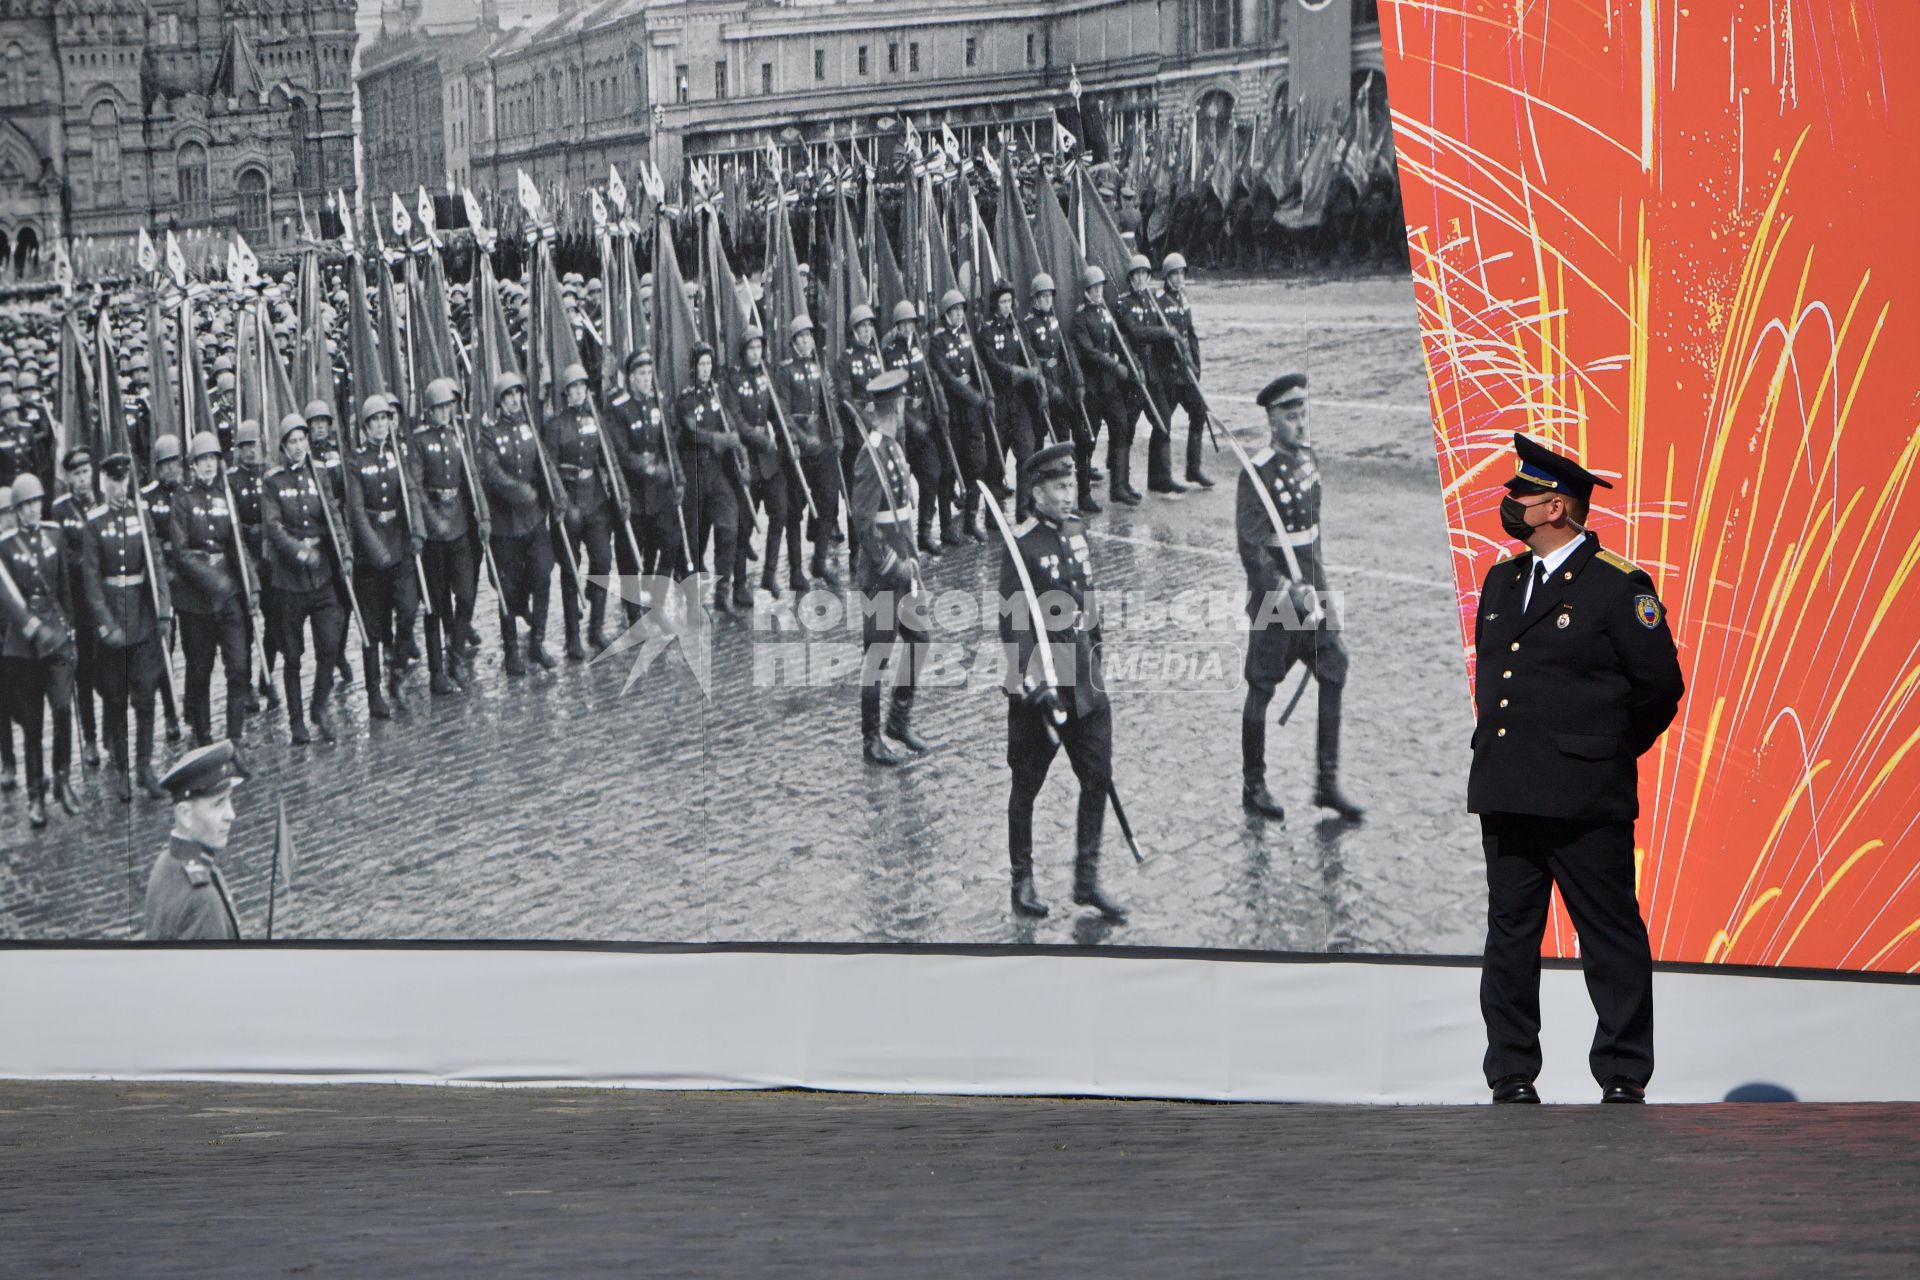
(187, 897)
(1071, 709)
(1577, 678)
(888, 568)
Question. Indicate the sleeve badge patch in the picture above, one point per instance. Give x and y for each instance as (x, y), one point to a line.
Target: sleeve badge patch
(1647, 609)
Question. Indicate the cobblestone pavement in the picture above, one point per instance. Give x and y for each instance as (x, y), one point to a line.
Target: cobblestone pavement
(377, 1180)
(555, 808)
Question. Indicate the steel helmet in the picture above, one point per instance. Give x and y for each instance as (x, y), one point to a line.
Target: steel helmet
(27, 488)
(204, 443)
(861, 314)
(799, 325)
(374, 405)
(904, 311)
(1095, 277)
(1042, 283)
(1138, 262)
(752, 334)
(507, 382)
(291, 423)
(319, 409)
(166, 449)
(950, 299)
(573, 373)
(222, 381)
(248, 432)
(1173, 262)
(441, 391)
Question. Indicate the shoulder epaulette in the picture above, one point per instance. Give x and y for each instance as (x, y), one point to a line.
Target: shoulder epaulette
(874, 438)
(1263, 457)
(1515, 559)
(1025, 527)
(94, 512)
(1621, 563)
(197, 874)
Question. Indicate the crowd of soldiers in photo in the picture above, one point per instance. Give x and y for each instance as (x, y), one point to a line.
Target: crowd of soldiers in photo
(253, 472)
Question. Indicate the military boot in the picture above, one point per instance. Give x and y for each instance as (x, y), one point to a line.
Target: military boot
(376, 701)
(1020, 854)
(1326, 788)
(36, 808)
(823, 568)
(950, 534)
(537, 652)
(510, 659)
(1086, 887)
(63, 792)
(1254, 796)
(396, 696)
(928, 547)
(900, 722)
(143, 757)
(874, 747)
(576, 651)
(322, 724)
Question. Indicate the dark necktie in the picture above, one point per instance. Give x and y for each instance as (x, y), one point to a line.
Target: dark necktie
(1539, 592)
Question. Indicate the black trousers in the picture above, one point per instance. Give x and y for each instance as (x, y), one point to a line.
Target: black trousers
(594, 531)
(713, 508)
(525, 565)
(1592, 863)
(887, 617)
(389, 600)
(1114, 405)
(450, 585)
(1176, 390)
(1031, 744)
(320, 611)
(1019, 432)
(204, 636)
(83, 686)
(32, 686)
(824, 478)
(124, 676)
(779, 496)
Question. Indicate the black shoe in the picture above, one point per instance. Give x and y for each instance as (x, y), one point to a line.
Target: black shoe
(271, 694)
(173, 731)
(597, 637)
(63, 792)
(1515, 1089)
(1090, 507)
(1123, 497)
(511, 661)
(1025, 901)
(537, 652)
(1623, 1091)
(576, 652)
(1259, 800)
(877, 751)
(769, 585)
(396, 696)
(471, 639)
(322, 725)
(36, 812)
(343, 677)
(1134, 496)
(297, 733)
(743, 596)
(1195, 477)
(825, 572)
(928, 547)
(1167, 487)
(950, 536)
(1328, 796)
(149, 784)
(252, 704)
(1095, 474)
(798, 584)
(377, 704)
(900, 729)
(440, 686)
(722, 602)
(1090, 896)
(118, 784)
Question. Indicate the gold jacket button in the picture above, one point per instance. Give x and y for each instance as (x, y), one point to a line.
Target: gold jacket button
(1499, 733)
(1503, 702)
(1506, 675)
(1515, 646)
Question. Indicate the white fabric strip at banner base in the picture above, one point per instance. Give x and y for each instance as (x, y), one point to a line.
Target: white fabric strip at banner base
(876, 1021)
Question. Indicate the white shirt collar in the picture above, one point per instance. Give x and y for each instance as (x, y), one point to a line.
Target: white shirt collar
(1554, 559)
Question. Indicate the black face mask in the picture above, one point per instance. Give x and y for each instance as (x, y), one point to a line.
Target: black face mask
(1513, 518)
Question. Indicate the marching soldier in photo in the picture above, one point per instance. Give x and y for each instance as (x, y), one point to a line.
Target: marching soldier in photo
(963, 380)
(207, 595)
(816, 431)
(119, 561)
(1111, 389)
(750, 392)
(446, 556)
(1062, 384)
(859, 365)
(244, 478)
(1061, 702)
(1152, 340)
(38, 645)
(1181, 365)
(888, 574)
(385, 579)
(306, 563)
(926, 446)
(655, 480)
(1291, 618)
(187, 897)
(158, 494)
(509, 458)
(16, 445)
(70, 514)
(1577, 679)
(1015, 386)
(715, 497)
(324, 450)
(573, 442)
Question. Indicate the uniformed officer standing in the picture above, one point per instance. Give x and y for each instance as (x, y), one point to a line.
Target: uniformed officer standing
(1071, 709)
(1141, 320)
(447, 501)
(1063, 385)
(70, 514)
(750, 395)
(1111, 390)
(573, 441)
(1290, 619)
(712, 490)
(207, 597)
(893, 597)
(816, 430)
(158, 495)
(926, 445)
(385, 542)
(655, 479)
(307, 559)
(1578, 678)
(244, 478)
(1016, 386)
(323, 447)
(858, 366)
(1180, 378)
(517, 500)
(120, 604)
(957, 363)
(38, 647)
(187, 897)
